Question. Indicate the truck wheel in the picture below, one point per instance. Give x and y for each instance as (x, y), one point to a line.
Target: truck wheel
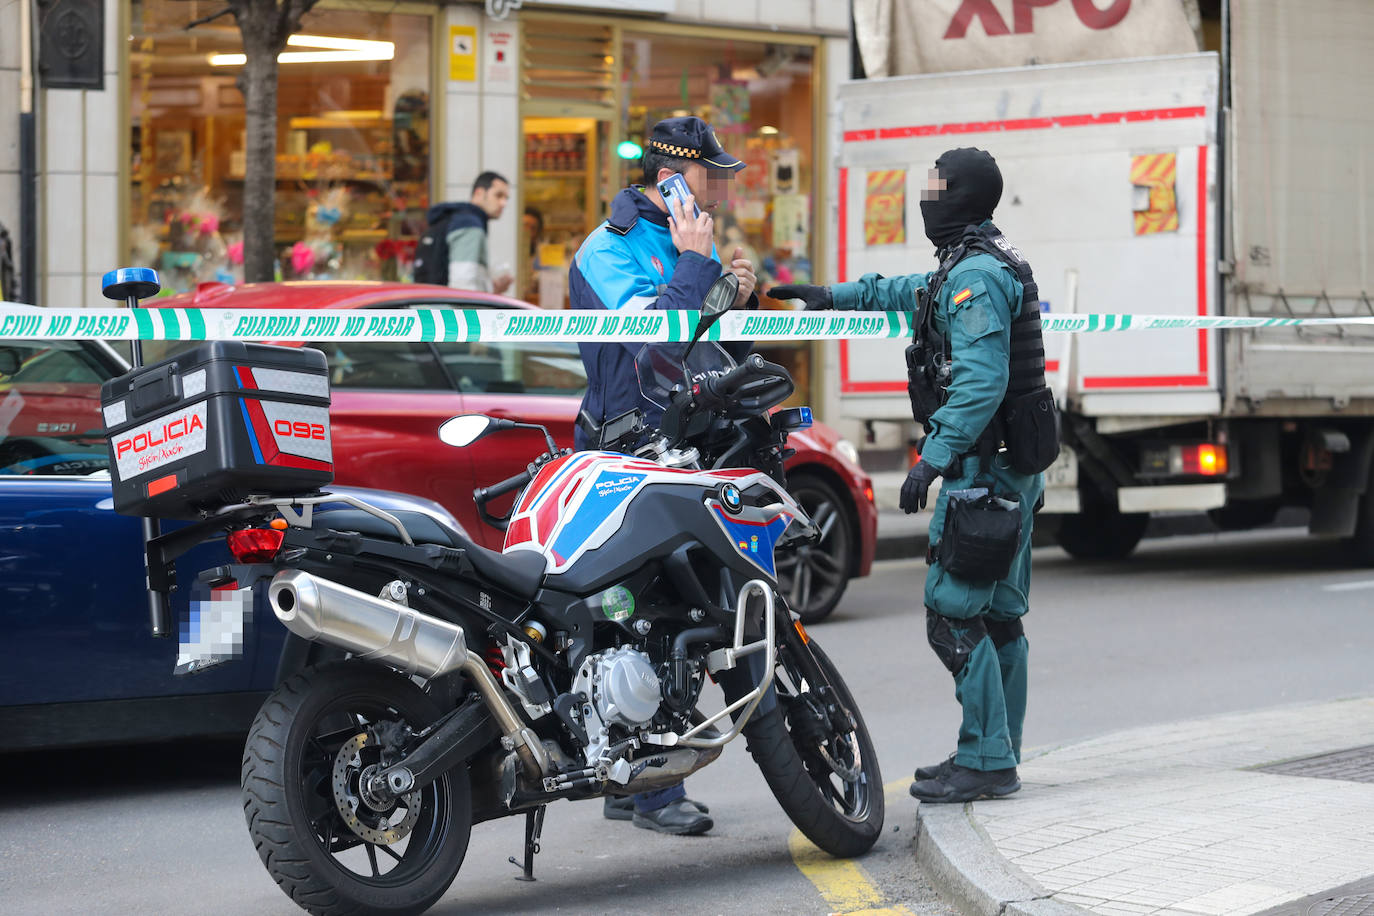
(1100, 531)
(1239, 516)
(1360, 545)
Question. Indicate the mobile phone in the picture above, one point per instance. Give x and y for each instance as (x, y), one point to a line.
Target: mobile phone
(676, 186)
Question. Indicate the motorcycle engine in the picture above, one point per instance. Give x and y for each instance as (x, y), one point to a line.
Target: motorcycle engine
(621, 689)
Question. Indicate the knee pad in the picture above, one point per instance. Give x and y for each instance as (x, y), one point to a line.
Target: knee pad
(953, 639)
(1005, 631)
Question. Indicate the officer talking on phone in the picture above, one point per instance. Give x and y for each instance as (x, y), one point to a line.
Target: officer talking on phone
(655, 252)
(976, 377)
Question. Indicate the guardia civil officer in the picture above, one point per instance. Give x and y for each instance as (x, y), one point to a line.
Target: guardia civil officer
(976, 370)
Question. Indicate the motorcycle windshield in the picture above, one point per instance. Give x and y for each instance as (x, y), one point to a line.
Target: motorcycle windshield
(661, 370)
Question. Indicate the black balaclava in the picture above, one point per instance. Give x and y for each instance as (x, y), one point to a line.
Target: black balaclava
(973, 186)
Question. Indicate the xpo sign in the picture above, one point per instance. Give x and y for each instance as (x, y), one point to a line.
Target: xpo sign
(1022, 13)
(925, 36)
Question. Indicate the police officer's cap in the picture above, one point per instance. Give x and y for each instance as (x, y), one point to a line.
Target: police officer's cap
(692, 138)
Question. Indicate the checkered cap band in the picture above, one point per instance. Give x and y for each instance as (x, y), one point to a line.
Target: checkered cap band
(681, 152)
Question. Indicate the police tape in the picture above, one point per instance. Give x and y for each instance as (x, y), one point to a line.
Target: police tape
(494, 325)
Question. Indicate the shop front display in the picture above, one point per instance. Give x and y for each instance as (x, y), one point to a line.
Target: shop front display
(353, 145)
(757, 90)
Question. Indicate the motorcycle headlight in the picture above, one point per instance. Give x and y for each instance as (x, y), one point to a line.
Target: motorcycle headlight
(847, 451)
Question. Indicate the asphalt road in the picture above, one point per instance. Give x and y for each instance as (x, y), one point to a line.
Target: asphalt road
(1188, 627)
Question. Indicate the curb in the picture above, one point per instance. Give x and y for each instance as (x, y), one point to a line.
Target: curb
(964, 865)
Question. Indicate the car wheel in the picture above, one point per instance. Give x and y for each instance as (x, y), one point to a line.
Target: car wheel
(813, 577)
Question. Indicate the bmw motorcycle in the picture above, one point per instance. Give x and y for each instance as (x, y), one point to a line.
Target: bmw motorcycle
(449, 684)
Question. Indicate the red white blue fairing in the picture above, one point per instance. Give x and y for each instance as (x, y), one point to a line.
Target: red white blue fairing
(576, 503)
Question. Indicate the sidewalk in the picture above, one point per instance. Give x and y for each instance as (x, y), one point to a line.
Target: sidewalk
(1234, 814)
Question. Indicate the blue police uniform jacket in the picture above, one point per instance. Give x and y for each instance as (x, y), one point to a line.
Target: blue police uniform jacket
(629, 264)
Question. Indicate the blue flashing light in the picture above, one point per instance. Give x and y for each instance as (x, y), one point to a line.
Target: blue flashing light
(126, 282)
(628, 149)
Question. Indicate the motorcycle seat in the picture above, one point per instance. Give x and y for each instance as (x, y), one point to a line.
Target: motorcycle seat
(520, 572)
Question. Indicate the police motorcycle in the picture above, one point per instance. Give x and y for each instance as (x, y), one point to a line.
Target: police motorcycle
(447, 684)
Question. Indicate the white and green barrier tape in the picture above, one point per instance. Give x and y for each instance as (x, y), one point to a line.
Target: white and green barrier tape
(494, 325)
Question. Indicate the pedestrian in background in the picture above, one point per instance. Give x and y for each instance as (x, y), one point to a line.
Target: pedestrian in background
(648, 255)
(453, 250)
(983, 308)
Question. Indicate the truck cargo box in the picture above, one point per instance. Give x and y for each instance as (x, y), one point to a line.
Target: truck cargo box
(215, 424)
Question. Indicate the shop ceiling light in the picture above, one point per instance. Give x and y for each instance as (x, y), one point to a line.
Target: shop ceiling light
(335, 50)
(768, 129)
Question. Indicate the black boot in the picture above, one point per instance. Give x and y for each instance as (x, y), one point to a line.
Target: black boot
(680, 818)
(622, 807)
(962, 784)
(937, 771)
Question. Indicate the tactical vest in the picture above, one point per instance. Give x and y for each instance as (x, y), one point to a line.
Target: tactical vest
(1027, 421)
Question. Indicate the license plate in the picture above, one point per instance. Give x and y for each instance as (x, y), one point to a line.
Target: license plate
(216, 628)
(1064, 472)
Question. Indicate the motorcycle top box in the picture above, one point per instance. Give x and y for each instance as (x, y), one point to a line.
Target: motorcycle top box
(222, 421)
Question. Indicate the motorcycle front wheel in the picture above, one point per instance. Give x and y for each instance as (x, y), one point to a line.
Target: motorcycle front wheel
(331, 847)
(825, 776)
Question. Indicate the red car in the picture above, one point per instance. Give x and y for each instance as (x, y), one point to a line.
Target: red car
(390, 397)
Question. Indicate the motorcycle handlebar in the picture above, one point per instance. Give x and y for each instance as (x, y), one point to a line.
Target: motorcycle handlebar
(486, 494)
(483, 495)
(721, 390)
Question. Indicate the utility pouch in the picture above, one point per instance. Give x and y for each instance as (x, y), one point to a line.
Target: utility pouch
(1031, 422)
(981, 535)
(925, 397)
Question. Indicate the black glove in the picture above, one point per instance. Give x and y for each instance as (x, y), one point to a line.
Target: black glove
(917, 485)
(815, 297)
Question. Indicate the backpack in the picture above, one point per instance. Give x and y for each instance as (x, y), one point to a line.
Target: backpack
(431, 255)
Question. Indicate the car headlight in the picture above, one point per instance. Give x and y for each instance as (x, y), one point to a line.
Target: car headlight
(847, 451)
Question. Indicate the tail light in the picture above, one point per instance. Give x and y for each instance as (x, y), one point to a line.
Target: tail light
(1206, 459)
(255, 545)
(1200, 459)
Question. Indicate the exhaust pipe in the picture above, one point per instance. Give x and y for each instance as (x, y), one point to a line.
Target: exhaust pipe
(414, 643)
(317, 609)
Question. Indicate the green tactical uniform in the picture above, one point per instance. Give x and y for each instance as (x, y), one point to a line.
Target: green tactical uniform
(974, 310)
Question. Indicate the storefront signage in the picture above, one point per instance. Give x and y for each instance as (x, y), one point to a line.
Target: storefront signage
(71, 52)
(619, 6)
(17, 321)
(897, 37)
(500, 57)
(462, 53)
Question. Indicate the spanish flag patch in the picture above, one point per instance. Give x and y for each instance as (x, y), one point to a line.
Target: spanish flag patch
(962, 295)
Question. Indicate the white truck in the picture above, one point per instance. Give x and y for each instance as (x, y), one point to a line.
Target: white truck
(1239, 183)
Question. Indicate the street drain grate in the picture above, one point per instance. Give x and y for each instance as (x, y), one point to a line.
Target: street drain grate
(1355, 905)
(1354, 899)
(1353, 765)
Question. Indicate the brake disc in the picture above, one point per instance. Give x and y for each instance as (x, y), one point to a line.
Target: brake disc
(368, 817)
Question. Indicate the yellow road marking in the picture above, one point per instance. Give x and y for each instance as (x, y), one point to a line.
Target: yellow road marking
(843, 883)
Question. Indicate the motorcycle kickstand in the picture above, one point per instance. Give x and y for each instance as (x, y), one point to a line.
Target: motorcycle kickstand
(534, 825)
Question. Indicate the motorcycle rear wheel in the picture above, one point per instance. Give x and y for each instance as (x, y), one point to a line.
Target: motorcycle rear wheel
(842, 816)
(293, 775)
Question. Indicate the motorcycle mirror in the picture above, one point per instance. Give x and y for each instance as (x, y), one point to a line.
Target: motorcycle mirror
(466, 429)
(720, 298)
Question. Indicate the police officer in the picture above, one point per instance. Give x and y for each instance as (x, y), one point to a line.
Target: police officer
(650, 254)
(981, 288)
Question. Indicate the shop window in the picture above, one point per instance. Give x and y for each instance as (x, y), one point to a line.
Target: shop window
(757, 97)
(353, 145)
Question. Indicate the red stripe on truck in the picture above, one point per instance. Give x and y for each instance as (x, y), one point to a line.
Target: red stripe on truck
(983, 127)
